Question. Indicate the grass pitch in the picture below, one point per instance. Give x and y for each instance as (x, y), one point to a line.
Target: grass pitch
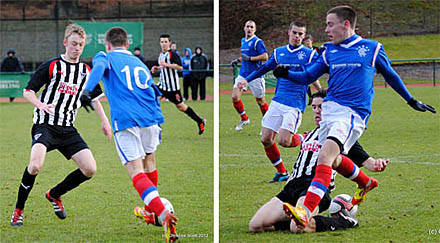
(405, 206)
(101, 209)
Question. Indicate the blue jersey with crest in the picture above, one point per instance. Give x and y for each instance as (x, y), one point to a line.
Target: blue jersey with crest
(252, 47)
(130, 89)
(287, 92)
(351, 65)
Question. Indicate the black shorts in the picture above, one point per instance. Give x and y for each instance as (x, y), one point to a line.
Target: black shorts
(332, 223)
(173, 96)
(66, 139)
(295, 189)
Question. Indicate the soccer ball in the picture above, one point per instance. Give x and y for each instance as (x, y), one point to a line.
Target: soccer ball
(342, 202)
(167, 204)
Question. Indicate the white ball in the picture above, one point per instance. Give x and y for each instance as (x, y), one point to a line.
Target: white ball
(340, 202)
(167, 204)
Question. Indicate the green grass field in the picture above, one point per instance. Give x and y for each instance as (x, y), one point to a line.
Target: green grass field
(403, 208)
(101, 209)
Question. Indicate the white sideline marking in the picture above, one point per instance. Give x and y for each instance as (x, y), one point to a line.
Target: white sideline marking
(396, 159)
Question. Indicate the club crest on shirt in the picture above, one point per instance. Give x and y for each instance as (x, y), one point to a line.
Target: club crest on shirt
(301, 55)
(37, 136)
(362, 50)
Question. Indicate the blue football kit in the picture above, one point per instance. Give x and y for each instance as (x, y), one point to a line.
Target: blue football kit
(130, 89)
(287, 92)
(252, 47)
(351, 65)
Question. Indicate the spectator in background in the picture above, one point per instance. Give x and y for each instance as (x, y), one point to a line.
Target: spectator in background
(137, 53)
(174, 49)
(199, 61)
(11, 63)
(308, 42)
(186, 61)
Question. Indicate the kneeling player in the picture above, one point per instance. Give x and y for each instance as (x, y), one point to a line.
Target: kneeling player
(272, 217)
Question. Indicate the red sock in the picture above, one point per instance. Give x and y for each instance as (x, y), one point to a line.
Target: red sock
(264, 108)
(351, 171)
(153, 176)
(240, 109)
(318, 187)
(296, 140)
(148, 193)
(273, 153)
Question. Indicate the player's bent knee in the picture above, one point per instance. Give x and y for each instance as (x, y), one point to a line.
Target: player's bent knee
(285, 142)
(34, 168)
(255, 226)
(266, 141)
(89, 172)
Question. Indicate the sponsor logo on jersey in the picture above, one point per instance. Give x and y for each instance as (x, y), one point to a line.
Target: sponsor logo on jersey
(37, 136)
(66, 88)
(333, 51)
(311, 146)
(346, 65)
(362, 50)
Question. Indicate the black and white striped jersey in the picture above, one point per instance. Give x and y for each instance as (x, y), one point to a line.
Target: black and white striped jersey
(169, 78)
(304, 168)
(64, 82)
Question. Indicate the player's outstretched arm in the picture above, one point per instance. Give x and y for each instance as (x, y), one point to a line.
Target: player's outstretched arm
(269, 65)
(420, 106)
(262, 57)
(105, 125)
(99, 66)
(383, 65)
(310, 74)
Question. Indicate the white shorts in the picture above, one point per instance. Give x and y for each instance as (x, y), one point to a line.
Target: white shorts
(136, 142)
(282, 116)
(340, 122)
(257, 86)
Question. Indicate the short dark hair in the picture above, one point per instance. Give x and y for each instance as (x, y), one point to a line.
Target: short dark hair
(308, 37)
(297, 24)
(345, 12)
(322, 93)
(117, 36)
(165, 36)
(137, 49)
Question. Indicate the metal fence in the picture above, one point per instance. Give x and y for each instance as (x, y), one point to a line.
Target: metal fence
(375, 18)
(31, 27)
(424, 70)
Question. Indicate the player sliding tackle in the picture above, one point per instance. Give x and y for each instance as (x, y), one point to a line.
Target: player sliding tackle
(350, 61)
(135, 115)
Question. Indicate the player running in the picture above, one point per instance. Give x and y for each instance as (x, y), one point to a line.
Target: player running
(55, 111)
(288, 104)
(350, 61)
(253, 52)
(271, 216)
(169, 84)
(136, 117)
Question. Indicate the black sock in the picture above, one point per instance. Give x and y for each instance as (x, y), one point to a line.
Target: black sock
(190, 112)
(71, 181)
(27, 182)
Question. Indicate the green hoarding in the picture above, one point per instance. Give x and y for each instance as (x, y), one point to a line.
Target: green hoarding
(96, 35)
(12, 84)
